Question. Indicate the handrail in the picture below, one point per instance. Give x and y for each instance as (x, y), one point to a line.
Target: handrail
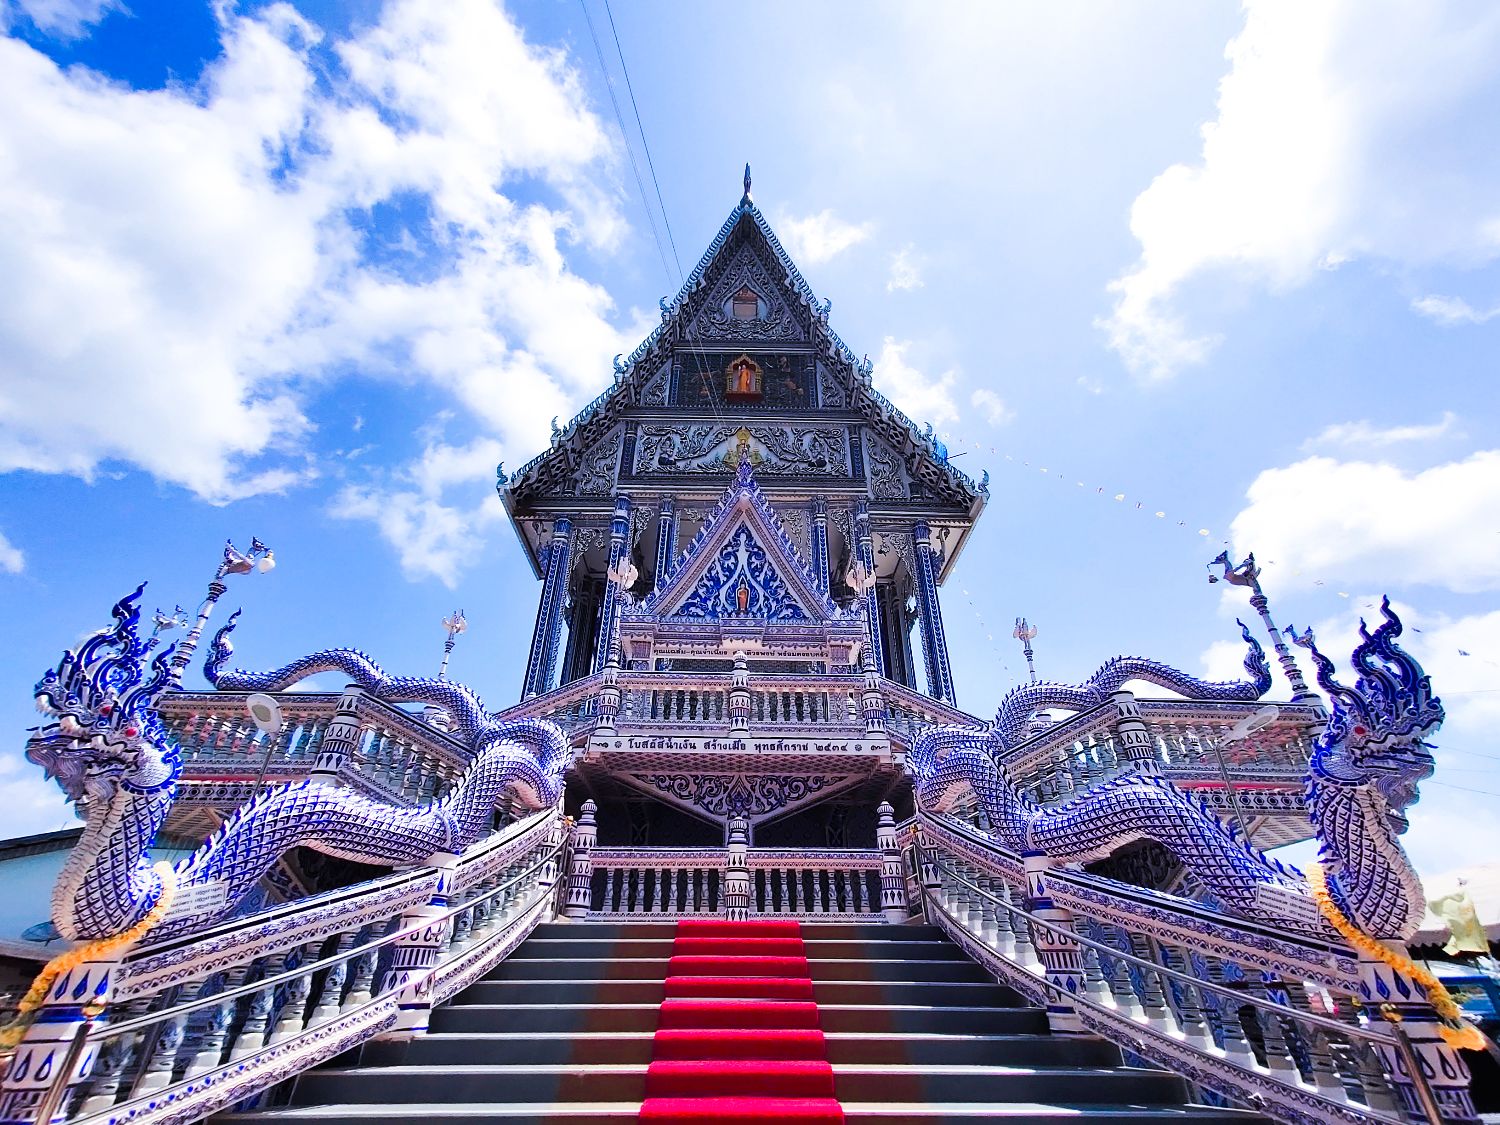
(1239, 998)
(99, 1033)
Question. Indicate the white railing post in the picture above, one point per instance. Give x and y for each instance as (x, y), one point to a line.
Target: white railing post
(893, 902)
(1402, 1001)
(342, 737)
(53, 1056)
(417, 954)
(1060, 955)
(737, 871)
(581, 875)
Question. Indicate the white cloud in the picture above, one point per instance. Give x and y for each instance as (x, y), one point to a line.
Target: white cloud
(66, 19)
(217, 239)
(432, 539)
(1449, 311)
(906, 271)
(32, 802)
(1365, 435)
(12, 560)
(1361, 523)
(993, 406)
(1340, 134)
(819, 237)
(922, 397)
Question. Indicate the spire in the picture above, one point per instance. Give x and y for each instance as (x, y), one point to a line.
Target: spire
(745, 200)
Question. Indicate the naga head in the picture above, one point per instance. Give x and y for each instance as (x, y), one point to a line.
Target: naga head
(102, 732)
(1375, 735)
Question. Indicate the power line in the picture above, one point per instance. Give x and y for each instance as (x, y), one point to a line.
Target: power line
(645, 146)
(629, 149)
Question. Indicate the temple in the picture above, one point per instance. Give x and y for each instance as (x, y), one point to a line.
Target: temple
(735, 852)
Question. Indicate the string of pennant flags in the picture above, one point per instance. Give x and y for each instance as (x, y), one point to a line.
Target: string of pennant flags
(1192, 527)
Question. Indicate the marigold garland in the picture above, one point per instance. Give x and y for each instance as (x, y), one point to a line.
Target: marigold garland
(12, 1034)
(1455, 1030)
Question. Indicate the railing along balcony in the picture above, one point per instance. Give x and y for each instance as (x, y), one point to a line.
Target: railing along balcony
(671, 883)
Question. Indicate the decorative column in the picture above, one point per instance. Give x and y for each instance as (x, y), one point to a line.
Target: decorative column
(416, 956)
(934, 640)
(1060, 954)
(892, 876)
(666, 541)
(737, 870)
(739, 695)
(33, 1081)
(819, 560)
(863, 581)
(1135, 744)
(557, 568)
(581, 873)
(341, 739)
(1400, 1001)
(616, 579)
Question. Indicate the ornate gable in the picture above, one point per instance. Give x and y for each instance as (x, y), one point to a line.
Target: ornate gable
(743, 300)
(742, 564)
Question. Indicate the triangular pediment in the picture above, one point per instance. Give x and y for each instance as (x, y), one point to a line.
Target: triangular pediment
(746, 297)
(742, 565)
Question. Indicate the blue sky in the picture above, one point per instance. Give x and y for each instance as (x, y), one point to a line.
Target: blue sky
(308, 271)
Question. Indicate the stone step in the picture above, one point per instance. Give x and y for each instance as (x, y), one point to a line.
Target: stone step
(596, 991)
(858, 1082)
(895, 1019)
(855, 1113)
(556, 1048)
(592, 948)
(811, 930)
(658, 968)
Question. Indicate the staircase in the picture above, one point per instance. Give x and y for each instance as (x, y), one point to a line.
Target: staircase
(566, 1031)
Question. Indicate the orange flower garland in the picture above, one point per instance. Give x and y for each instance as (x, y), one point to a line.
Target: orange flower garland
(1455, 1030)
(12, 1034)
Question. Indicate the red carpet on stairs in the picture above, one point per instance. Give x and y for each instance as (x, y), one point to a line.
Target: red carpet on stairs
(738, 1039)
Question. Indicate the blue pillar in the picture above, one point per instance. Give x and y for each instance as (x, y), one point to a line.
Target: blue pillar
(934, 640)
(819, 560)
(864, 545)
(666, 541)
(619, 547)
(557, 566)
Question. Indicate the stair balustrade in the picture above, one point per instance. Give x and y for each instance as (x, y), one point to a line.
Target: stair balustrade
(663, 884)
(1269, 1020)
(219, 1017)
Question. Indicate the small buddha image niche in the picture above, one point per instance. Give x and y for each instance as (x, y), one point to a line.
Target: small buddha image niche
(743, 380)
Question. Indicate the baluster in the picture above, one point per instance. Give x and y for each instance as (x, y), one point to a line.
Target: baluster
(690, 905)
(1278, 1053)
(786, 891)
(362, 968)
(331, 995)
(1005, 928)
(292, 1016)
(1236, 1046)
(214, 1025)
(1117, 971)
(157, 1073)
(1186, 1000)
(840, 891)
(118, 1056)
(1320, 1063)
(1361, 1067)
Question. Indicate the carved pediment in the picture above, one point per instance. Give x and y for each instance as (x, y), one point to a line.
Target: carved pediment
(744, 302)
(742, 564)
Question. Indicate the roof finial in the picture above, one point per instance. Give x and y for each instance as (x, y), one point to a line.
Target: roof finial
(746, 198)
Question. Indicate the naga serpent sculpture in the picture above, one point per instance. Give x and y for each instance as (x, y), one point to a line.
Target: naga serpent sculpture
(108, 751)
(1364, 771)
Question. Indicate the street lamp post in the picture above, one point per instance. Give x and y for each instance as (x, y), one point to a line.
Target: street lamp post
(258, 558)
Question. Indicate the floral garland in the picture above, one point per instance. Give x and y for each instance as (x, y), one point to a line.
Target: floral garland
(12, 1034)
(1455, 1030)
